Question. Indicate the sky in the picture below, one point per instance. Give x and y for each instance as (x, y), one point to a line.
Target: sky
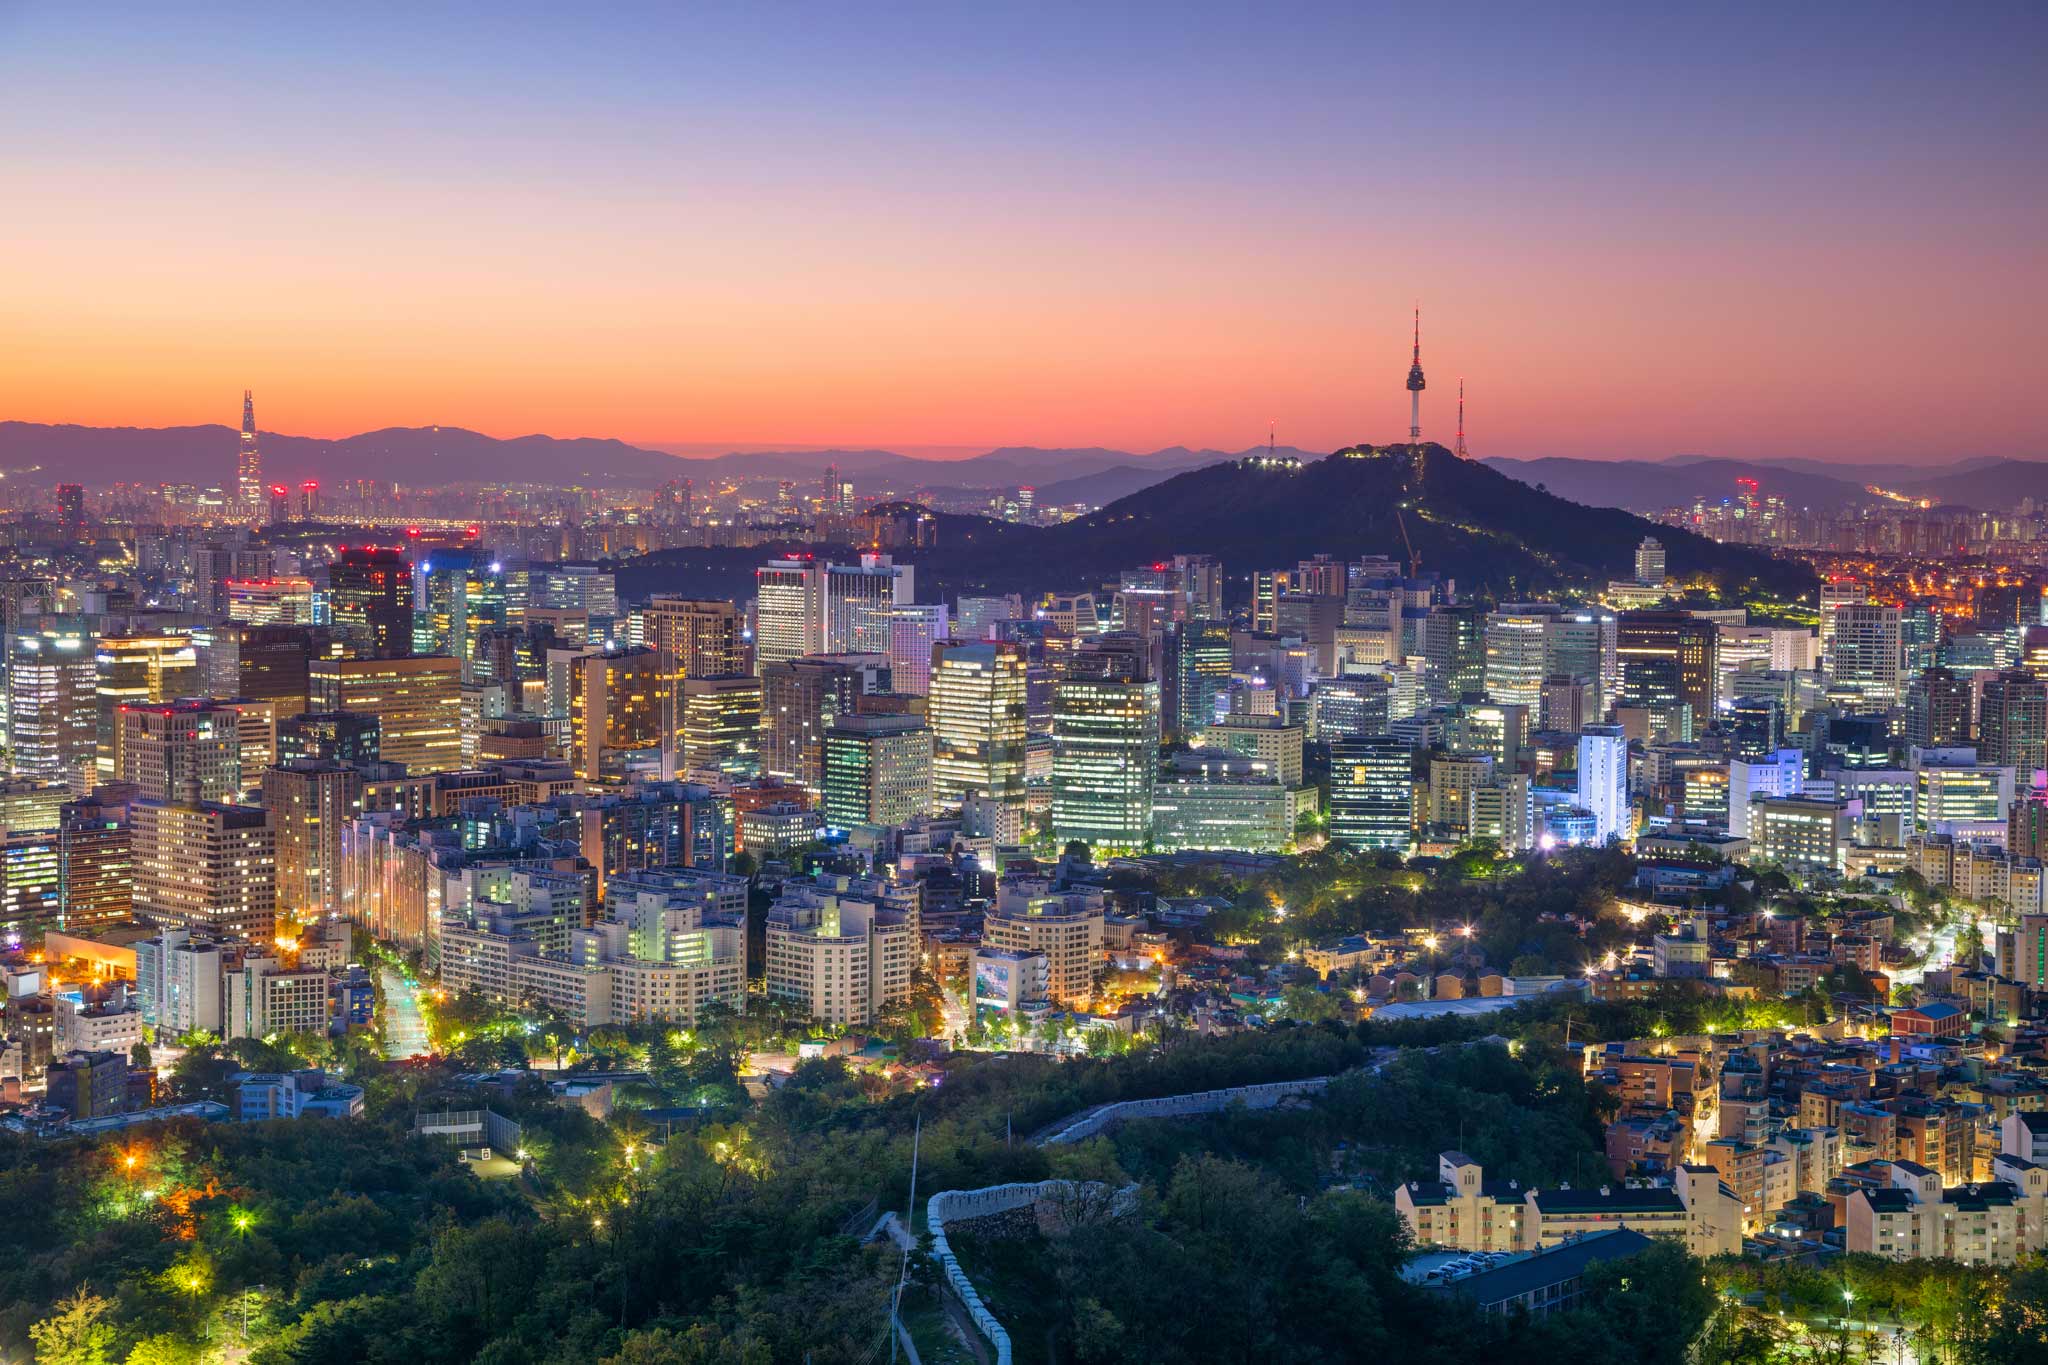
(1634, 231)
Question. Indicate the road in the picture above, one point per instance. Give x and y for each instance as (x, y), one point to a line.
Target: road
(405, 1033)
(1941, 950)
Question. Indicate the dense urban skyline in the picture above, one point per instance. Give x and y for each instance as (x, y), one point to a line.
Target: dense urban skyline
(1254, 864)
(1634, 235)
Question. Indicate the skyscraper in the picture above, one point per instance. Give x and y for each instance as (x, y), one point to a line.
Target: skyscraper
(1197, 672)
(704, 639)
(71, 510)
(1454, 642)
(789, 610)
(206, 867)
(463, 594)
(417, 702)
(801, 699)
(878, 769)
(977, 712)
(619, 705)
(2013, 723)
(52, 712)
(721, 724)
(860, 600)
(914, 627)
(369, 599)
(249, 488)
(1866, 656)
(189, 750)
(1668, 659)
(1372, 795)
(139, 668)
(1603, 781)
(1937, 709)
(311, 801)
(1517, 635)
(1105, 747)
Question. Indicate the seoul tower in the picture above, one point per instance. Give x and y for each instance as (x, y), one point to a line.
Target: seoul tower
(1459, 449)
(1415, 386)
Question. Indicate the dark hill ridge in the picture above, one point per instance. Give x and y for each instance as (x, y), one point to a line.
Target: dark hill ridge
(1494, 535)
(1467, 520)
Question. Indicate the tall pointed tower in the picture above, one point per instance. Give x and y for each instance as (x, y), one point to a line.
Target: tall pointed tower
(249, 460)
(1415, 386)
(1459, 449)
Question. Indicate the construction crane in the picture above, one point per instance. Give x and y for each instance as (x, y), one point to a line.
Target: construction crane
(1414, 559)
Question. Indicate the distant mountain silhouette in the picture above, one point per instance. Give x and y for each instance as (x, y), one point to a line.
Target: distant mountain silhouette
(1643, 486)
(1993, 487)
(437, 455)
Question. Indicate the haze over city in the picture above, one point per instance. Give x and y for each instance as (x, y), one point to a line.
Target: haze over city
(1757, 234)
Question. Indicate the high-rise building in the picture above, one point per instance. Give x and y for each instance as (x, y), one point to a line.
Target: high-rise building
(801, 699)
(311, 801)
(463, 592)
(188, 750)
(1582, 644)
(273, 600)
(620, 704)
(2013, 723)
(913, 629)
(1454, 642)
(369, 600)
(1105, 747)
(789, 610)
(1650, 568)
(249, 462)
(1517, 649)
(1197, 672)
(1937, 709)
(977, 713)
(209, 867)
(52, 706)
(705, 639)
(417, 702)
(860, 600)
(71, 511)
(878, 769)
(1866, 657)
(721, 724)
(95, 867)
(344, 736)
(1354, 704)
(264, 663)
(1603, 781)
(1668, 659)
(137, 669)
(1372, 793)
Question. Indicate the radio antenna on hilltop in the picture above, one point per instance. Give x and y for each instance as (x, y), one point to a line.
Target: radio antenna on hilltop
(1459, 449)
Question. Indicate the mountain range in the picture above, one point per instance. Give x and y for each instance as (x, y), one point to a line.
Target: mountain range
(1648, 486)
(437, 455)
(1493, 534)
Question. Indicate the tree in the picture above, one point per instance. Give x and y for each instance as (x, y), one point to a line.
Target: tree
(76, 1334)
(139, 1057)
(163, 1349)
